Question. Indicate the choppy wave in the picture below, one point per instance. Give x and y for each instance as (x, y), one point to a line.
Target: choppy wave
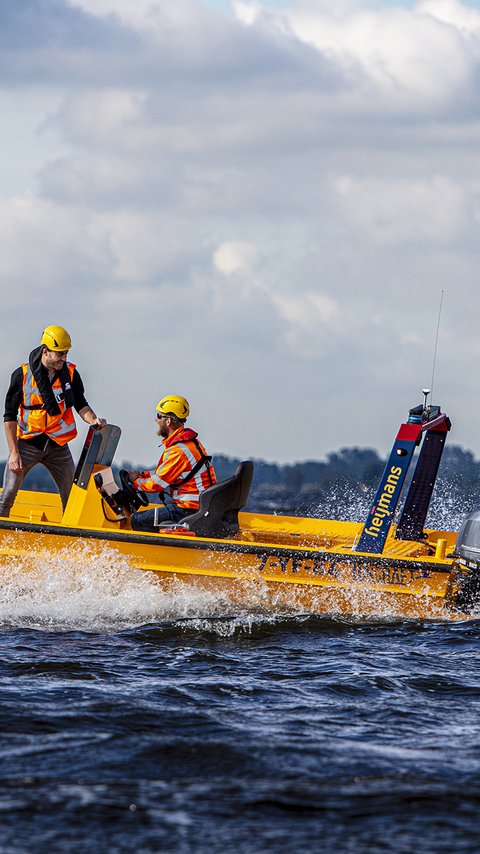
(96, 590)
(297, 733)
(448, 507)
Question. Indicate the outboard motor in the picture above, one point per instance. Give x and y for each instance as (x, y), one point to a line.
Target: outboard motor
(465, 590)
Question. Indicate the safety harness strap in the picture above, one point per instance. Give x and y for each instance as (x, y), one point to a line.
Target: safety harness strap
(205, 460)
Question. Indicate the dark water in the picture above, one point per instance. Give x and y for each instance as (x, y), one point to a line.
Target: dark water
(135, 719)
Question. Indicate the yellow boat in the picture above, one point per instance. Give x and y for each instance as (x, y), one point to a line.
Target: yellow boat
(380, 567)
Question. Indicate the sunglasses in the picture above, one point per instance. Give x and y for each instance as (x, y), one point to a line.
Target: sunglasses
(159, 416)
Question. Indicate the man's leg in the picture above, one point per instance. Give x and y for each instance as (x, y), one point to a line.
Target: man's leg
(12, 481)
(176, 512)
(143, 520)
(59, 462)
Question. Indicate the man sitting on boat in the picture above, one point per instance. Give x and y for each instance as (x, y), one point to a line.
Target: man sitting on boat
(183, 471)
(39, 420)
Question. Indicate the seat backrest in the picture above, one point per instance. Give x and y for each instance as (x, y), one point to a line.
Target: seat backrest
(217, 515)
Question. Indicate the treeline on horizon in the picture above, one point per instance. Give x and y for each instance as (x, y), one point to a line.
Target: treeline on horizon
(355, 469)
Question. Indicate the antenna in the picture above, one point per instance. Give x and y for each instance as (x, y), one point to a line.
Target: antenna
(436, 343)
(426, 392)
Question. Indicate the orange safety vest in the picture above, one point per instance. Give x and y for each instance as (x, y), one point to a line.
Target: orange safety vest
(33, 418)
(184, 470)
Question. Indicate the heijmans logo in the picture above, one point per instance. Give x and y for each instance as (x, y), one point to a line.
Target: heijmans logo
(385, 505)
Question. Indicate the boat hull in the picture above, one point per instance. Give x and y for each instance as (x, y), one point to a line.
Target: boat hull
(257, 573)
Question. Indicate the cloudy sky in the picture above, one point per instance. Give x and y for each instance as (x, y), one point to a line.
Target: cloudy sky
(254, 204)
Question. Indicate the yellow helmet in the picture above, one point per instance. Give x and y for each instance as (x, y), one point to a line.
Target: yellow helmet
(56, 338)
(176, 404)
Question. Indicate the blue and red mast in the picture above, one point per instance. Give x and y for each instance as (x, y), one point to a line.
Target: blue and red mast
(423, 421)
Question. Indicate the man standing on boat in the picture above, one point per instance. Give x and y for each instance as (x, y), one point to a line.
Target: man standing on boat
(183, 471)
(39, 420)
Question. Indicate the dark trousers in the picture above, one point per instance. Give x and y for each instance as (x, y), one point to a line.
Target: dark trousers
(57, 459)
(143, 520)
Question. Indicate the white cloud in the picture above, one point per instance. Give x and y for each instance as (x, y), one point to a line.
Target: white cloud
(311, 310)
(315, 323)
(241, 207)
(39, 243)
(130, 13)
(419, 56)
(99, 117)
(463, 17)
(404, 211)
(143, 248)
(235, 256)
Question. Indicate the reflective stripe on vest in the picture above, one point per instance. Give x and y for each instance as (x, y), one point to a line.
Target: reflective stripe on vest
(187, 498)
(157, 480)
(186, 490)
(33, 419)
(192, 488)
(28, 392)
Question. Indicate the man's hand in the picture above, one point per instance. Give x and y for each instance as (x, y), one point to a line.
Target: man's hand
(90, 418)
(15, 462)
(134, 474)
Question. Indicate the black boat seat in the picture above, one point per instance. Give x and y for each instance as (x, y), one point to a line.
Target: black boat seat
(217, 515)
